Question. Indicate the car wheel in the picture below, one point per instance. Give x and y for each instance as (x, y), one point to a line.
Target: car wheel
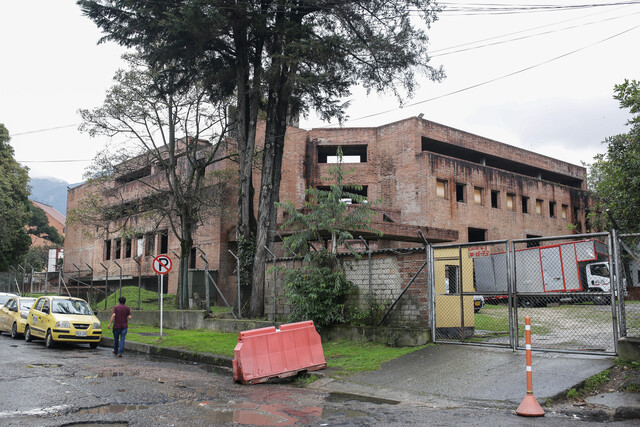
(27, 334)
(48, 340)
(93, 344)
(14, 331)
(526, 302)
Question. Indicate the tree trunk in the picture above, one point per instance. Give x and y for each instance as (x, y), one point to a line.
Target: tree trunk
(277, 109)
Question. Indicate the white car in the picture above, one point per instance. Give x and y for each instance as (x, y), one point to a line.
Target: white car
(4, 297)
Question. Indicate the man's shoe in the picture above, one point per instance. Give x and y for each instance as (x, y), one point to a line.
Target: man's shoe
(119, 354)
(113, 351)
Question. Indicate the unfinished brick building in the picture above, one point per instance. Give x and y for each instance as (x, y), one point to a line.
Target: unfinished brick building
(450, 185)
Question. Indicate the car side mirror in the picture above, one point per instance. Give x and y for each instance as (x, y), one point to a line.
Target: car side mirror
(45, 310)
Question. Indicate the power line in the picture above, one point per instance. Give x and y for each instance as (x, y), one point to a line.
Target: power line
(44, 130)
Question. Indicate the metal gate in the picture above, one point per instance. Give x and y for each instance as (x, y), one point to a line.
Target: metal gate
(483, 292)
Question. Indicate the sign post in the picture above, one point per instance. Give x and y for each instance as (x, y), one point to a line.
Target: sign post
(161, 265)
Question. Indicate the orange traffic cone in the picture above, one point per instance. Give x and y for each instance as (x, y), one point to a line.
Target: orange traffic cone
(529, 406)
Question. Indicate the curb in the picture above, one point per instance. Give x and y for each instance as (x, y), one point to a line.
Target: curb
(191, 356)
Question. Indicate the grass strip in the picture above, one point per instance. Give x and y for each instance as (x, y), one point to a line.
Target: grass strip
(344, 357)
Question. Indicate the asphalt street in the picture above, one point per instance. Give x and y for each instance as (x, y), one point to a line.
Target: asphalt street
(74, 385)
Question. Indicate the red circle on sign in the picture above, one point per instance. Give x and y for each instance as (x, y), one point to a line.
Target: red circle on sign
(162, 264)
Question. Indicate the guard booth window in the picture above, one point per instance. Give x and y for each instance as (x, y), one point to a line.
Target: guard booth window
(451, 279)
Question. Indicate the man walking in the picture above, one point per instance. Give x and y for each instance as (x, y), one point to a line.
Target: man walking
(119, 318)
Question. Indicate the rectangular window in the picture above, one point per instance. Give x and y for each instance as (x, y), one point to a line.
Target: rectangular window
(495, 198)
(118, 244)
(350, 154)
(511, 202)
(563, 211)
(441, 189)
(552, 209)
(164, 242)
(107, 249)
(638, 282)
(525, 204)
(477, 234)
(478, 193)
(139, 246)
(460, 192)
(192, 258)
(127, 248)
(150, 247)
(451, 279)
(538, 207)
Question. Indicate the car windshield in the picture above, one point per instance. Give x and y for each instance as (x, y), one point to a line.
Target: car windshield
(5, 298)
(26, 303)
(69, 306)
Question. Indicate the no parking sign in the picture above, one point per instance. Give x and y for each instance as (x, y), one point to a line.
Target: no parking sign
(162, 264)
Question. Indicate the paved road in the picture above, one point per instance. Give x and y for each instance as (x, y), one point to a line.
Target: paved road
(74, 385)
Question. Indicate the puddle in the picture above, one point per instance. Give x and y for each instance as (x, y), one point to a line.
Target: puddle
(96, 424)
(343, 397)
(260, 415)
(43, 365)
(111, 374)
(349, 413)
(110, 409)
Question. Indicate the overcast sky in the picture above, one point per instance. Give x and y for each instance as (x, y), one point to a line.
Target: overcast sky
(539, 80)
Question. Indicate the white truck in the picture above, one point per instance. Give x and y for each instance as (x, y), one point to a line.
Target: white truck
(553, 272)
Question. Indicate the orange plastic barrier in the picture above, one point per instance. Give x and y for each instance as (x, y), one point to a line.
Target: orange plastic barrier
(277, 353)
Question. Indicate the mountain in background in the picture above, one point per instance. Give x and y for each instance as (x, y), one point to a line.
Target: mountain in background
(50, 191)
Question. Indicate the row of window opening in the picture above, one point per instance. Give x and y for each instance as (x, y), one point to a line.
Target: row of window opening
(148, 244)
(442, 191)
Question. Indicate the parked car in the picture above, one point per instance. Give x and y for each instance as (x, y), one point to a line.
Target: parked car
(63, 319)
(4, 297)
(13, 315)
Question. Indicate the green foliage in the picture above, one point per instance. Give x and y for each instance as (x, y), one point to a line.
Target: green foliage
(39, 226)
(37, 257)
(318, 290)
(326, 215)
(615, 175)
(14, 205)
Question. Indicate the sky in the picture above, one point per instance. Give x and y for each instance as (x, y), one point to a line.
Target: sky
(539, 80)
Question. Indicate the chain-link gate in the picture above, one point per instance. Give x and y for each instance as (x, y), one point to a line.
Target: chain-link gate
(483, 291)
(629, 261)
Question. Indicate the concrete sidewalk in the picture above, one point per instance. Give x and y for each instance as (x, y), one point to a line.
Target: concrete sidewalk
(445, 375)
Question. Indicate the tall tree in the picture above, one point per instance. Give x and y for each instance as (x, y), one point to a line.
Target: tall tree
(38, 225)
(172, 136)
(14, 205)
(614, 177)
(299, 55)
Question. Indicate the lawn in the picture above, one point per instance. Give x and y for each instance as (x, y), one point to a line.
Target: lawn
(344, 357)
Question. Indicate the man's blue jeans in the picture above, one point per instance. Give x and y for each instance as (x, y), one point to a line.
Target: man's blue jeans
(118, 339)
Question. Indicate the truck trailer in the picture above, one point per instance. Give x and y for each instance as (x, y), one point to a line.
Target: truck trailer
(554, 273)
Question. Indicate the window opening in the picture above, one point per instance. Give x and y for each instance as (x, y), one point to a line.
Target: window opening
(127, 248)
(350, 153)
(494, 199)
(451, 279)
(441, 189)
(107, 249)
(118, 253)
(164, 242)
(460, 192)
(150, 247)
(477, 234)
(511, 202)
(525, 204)
(192, 258)
(139, 246)
(538, 207)
(563, 211)
(533, 244)
(552, 209)
(478, 192)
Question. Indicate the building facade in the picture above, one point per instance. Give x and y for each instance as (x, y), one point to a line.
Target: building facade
(427, 178)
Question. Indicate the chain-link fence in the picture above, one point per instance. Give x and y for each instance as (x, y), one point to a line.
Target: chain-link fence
(629, 256)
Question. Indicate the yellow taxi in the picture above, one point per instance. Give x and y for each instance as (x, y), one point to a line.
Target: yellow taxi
(13, 315)
(62, 319)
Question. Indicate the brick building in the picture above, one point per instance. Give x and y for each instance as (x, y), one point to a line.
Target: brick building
(448, 184)
(56, 220)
